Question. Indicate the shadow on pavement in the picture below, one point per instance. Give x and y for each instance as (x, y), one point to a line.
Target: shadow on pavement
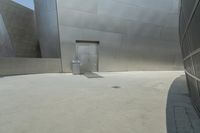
(180, 114)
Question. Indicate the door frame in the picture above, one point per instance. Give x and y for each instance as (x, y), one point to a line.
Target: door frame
(97, 43)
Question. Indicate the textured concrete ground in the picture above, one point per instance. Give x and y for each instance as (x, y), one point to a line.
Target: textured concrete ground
(129, 102)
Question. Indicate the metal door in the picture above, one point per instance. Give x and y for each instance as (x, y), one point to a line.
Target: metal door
(87, 54)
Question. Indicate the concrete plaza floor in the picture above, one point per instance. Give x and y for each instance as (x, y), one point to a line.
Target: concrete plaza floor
(127, 102)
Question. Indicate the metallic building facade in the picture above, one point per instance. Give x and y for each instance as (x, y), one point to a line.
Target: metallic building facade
(133, 34)
(47, 28)
(20, 25)
(190, 43)
(6, 47)
(19, 47)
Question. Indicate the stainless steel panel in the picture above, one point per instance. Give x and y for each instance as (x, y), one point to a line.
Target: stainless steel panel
(86, 6)
(189, 36)
(47, 27)
(87, 54)
(133, 11)
(187, 6)
(6, 48)
(20, 24)
(13, 66)
(133, 34)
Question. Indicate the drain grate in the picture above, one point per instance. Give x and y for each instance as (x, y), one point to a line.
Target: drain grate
(116, 87)
(92, 75)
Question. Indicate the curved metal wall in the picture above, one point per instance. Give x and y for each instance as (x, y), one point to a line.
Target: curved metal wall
(133, 34)
(190, 43)
(47, 28)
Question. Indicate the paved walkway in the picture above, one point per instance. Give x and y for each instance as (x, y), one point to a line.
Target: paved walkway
(181, 116)
(129, 102)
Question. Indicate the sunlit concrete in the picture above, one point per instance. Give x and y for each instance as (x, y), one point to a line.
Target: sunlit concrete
(129, 102)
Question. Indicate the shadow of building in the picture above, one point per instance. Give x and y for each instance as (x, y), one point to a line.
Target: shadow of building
(180, 114)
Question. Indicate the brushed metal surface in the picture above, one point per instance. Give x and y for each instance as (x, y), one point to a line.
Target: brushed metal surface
(133, 34)
(6, 48)
(19, 66)
(189, 38)
(47, 25)
(19, 22)
(87, 54)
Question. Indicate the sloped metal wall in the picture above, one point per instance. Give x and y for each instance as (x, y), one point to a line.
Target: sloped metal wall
(133, 34)
(6, 48)
(19, 22)
(47, 27)
(190, 43)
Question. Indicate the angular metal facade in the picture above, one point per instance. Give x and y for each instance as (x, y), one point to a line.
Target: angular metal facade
(133, 34)
(19, 23)
(190, 43)
(6, 47)
(47, 27)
